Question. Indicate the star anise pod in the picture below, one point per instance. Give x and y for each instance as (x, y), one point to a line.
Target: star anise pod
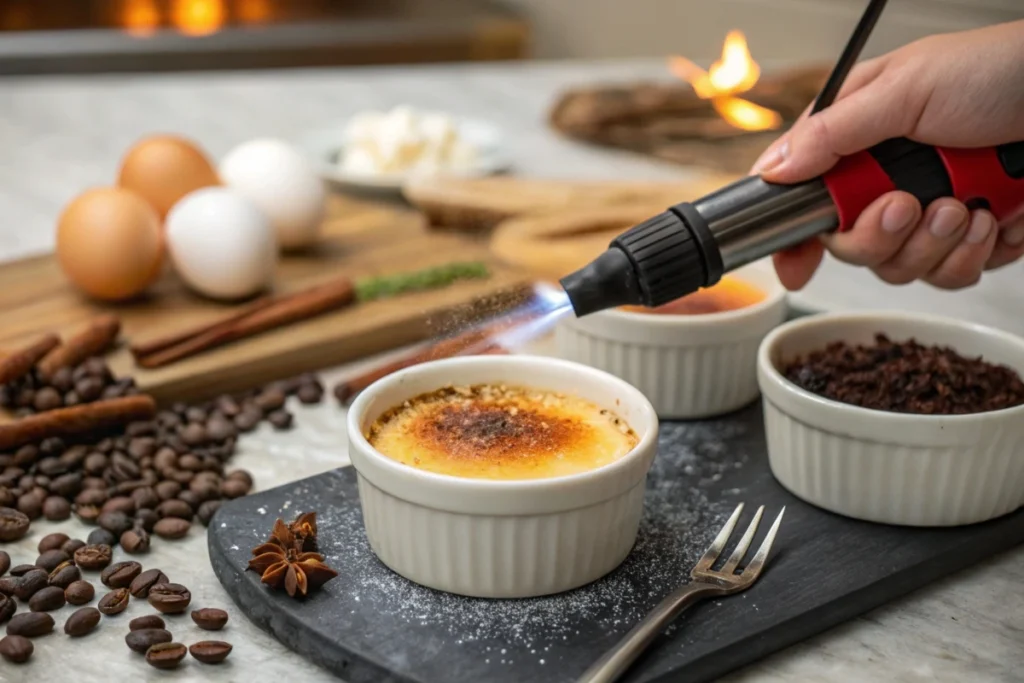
(304, 529)
(282, 562)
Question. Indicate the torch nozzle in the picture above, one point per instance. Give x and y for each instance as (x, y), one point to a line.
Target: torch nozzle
(609, 280)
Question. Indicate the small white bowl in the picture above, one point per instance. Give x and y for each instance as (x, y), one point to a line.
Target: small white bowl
(894, 468)
(502, 539)
(324, 148)
(689, 366)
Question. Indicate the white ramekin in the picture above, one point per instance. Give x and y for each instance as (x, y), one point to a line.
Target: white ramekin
(502, 539)
(689, 366)
(916, 470)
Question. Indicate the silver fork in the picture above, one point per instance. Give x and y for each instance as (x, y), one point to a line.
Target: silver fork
(706, 583)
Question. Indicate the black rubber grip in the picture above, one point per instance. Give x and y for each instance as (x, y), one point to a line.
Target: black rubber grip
(1011, 156)
(914, 168)
(667, 260)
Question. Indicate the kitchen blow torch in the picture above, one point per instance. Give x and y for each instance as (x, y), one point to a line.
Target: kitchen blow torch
(690, 245)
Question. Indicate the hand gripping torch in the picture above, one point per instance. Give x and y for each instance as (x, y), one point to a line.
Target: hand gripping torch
(691, 245)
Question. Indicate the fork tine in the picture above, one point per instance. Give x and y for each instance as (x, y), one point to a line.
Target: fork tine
(741, 547)
(757, 564)
(718, 545)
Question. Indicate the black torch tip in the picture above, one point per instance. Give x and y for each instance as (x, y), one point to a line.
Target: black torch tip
(608, 281)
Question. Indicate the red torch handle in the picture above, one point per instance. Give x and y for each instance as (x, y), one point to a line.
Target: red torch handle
(991, 178)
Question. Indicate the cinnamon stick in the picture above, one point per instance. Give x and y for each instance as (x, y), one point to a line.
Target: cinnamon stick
(94, 340)
(84, 419)
(18, 363)
(161, 343)
(277, 312)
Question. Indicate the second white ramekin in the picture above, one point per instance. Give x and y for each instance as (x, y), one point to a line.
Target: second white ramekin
(916, 470)
(502, 539)
(689, 366)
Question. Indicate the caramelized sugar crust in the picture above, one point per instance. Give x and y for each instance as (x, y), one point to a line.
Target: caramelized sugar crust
(500, 432)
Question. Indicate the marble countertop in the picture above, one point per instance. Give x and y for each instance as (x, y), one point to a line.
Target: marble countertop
(60, 135)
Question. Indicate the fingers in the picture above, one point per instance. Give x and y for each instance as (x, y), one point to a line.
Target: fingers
(880, 231)
(944, 223)
(796, 266)
(1009, 247)
(963, 266)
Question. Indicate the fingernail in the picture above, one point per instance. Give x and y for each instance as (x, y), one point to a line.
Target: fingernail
(772, 157)
(898, 216)
(1014, 236)
(946, 221)
(982, 224)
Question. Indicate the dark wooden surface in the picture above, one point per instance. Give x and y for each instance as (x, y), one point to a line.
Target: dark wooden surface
(370, 625)
(83, 36)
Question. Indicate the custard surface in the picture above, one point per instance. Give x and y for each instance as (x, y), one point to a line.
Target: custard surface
(728, 294)
(501, 432)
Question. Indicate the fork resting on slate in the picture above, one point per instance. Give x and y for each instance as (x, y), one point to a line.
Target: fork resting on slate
(707, 583)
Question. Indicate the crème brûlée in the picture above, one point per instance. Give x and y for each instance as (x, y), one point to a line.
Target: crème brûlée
(501, 432)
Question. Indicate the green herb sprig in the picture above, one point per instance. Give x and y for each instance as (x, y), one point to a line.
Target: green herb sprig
(386, 286)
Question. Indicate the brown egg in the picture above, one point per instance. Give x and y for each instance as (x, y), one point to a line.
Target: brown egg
(109, 243)
(164, 168)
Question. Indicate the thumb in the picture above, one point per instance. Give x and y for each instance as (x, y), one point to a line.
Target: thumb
(852, 124)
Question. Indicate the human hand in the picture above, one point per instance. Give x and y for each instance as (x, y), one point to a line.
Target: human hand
(955, 90)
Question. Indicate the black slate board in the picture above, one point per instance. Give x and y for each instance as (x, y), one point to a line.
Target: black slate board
(371, 625)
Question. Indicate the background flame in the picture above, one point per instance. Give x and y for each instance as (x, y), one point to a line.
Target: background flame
(735, 72)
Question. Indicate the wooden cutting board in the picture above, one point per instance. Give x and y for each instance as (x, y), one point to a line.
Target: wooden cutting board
(360, 239)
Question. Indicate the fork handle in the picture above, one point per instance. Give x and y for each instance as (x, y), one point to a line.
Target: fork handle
(616, 661)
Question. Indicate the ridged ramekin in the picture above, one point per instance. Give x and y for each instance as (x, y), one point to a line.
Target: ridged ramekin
(689, 366)
(502, 539)
(894, 468)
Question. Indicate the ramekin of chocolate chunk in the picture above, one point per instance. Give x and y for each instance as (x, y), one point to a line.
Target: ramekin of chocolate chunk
(896, 417)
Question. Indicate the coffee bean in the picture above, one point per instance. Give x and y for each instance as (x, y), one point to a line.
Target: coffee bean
(210, 618)
(270, 400)
(79, 593)
(7, 607)
(190, 462)
(234, 488)
(56, 508)
(145, 497)
(142, 447)
(122, 504)
(280, 419)
(26, 455)
(101, 537)
(93, 556)
(210, 651)
(172, 527)
(31, 583)
(175, 508)
(139, 588)
(166, 655)
(72, 398)
(220, 429)
(53, 445)
(169, 598)
(191, 498)
(135, 541)
(30, 624)
(140, 640)
(207, 510)
(92, 496)
(193, 434)
(16, 649)
(248, 419)
(95, 463)
(125, 488)
(123, 468)
(240, 474)
(204, 489)
(5, 562)
(97, 483)
(146, 519)
(310, 393)
(64, 575)
(89, 388)
(47, 398)
(7, 497)
(115, 522)
(167, 490)
(145, 622)
(72, 545)
(114, 602)
(52, 542)
(74, 456)
(142, 428)
(9, 584)
(87, 513)
(82, 622)
(22, 569)
(30, 505)
(120, 574)
(51, 558)
(228, 406)
(47, 599)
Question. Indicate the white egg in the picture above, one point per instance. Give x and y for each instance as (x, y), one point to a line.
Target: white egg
(221, 244)
(278, 179)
